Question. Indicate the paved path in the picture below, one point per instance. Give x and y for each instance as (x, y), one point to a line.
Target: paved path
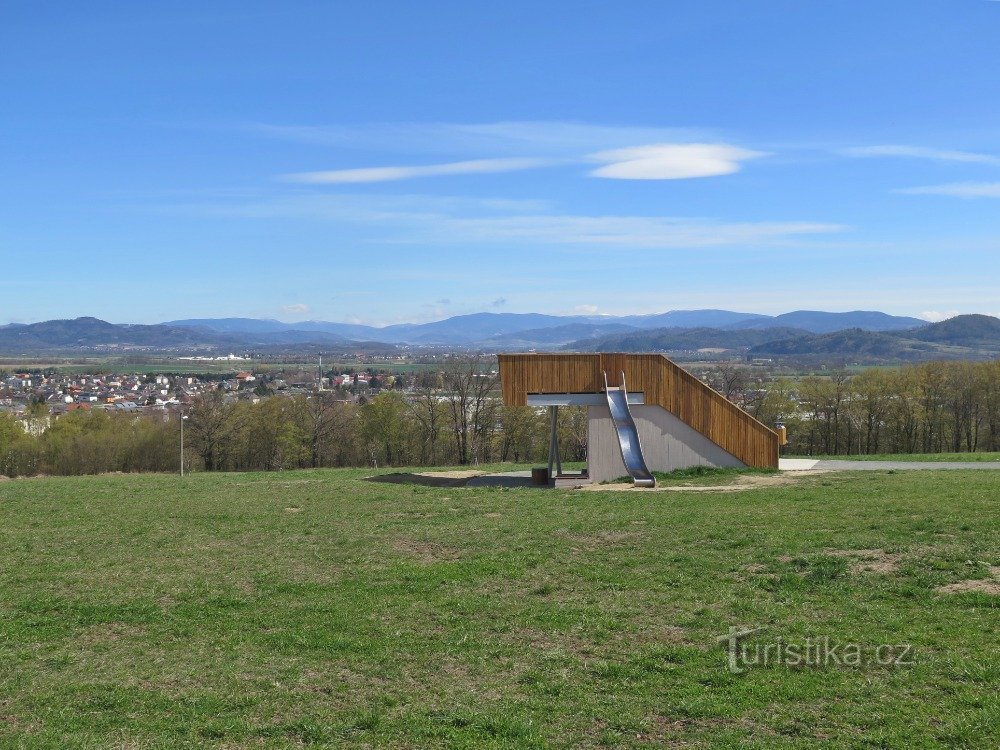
(806, 464)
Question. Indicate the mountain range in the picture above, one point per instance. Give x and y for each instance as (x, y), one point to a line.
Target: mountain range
(798, 333)
(527, 330)
(964, 336)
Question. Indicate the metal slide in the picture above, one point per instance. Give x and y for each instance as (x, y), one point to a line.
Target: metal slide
(628, 436)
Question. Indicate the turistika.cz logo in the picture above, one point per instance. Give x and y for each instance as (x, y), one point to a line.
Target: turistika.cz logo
(811, 653)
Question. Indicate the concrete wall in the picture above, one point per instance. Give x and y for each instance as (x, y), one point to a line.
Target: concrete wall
(667, 444)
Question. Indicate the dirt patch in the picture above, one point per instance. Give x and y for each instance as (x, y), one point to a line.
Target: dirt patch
(981, 586)
(666, 729)
(868, 560)
(976, 585)
(425, 553)
(293, 510)
(110, 632)
(740, 483)
(601, 538)
(756, 568)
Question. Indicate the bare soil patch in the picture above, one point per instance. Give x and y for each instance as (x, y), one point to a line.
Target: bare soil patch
(980, 585)
(975, 585)
(739, 483)
(425, 553)
(602, 538)
(868, 560)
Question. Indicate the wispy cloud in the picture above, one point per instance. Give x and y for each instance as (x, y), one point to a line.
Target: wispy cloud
(629, 153)
(499, 302)
(957, 190)
(657, 161)
(921, 152)
(647, 232)
(671, 161)
(451, 220)
(388, 174)
(299, 308)
(504, 138)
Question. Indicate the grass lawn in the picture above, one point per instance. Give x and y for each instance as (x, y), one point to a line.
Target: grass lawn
(318, 609)
(984, 456)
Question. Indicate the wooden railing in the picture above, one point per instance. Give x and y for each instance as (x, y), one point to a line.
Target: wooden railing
(663, 383)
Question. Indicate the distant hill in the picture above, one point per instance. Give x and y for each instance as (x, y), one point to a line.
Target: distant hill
(965, 336)
(89, 333)
(854, 342)
(683, 339)
(92, 334)
(533, 330)
(817, 321)
(557, 336)
(692, 319)
(962, 330)
(256, 327)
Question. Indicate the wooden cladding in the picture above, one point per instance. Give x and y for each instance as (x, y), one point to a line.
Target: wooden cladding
(663, 383)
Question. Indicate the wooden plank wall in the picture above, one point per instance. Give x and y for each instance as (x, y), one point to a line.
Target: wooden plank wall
(663, 383)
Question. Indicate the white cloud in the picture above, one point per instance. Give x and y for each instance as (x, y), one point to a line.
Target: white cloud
(934, 316)
(585, 309)
(920, 152)
(299, 308)
(671, 161)
(388, 174)
(658, 161)
(957, 190)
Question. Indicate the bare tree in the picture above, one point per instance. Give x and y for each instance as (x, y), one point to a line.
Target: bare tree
(426, 409)
(470, 383)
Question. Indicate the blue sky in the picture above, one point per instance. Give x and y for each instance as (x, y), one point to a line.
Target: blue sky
(396, 161)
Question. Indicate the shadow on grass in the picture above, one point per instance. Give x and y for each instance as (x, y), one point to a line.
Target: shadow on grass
(425, 480)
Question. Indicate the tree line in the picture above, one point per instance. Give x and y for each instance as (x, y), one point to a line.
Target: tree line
(453, 417)
(456, 417)
(935, 407)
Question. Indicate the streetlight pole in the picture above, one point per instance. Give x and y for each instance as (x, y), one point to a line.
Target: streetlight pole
(183, 417)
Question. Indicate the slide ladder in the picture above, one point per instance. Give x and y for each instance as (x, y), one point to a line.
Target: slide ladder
(628, 436)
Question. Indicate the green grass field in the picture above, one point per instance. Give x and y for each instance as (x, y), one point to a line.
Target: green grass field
(981, 456)
(319, 609)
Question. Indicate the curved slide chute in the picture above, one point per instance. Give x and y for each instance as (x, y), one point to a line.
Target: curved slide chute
(628, 435)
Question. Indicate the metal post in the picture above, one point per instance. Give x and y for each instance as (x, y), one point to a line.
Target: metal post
(554, 460)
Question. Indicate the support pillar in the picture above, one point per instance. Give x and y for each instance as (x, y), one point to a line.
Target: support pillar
(554, 460)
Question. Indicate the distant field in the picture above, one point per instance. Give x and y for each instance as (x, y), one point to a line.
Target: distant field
(185, 367)
(319, 609)
(984, 456)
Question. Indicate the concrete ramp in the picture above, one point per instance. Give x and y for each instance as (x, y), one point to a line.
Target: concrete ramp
(628, 435)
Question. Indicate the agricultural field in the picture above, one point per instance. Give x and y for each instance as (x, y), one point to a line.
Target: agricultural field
(329, 608)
